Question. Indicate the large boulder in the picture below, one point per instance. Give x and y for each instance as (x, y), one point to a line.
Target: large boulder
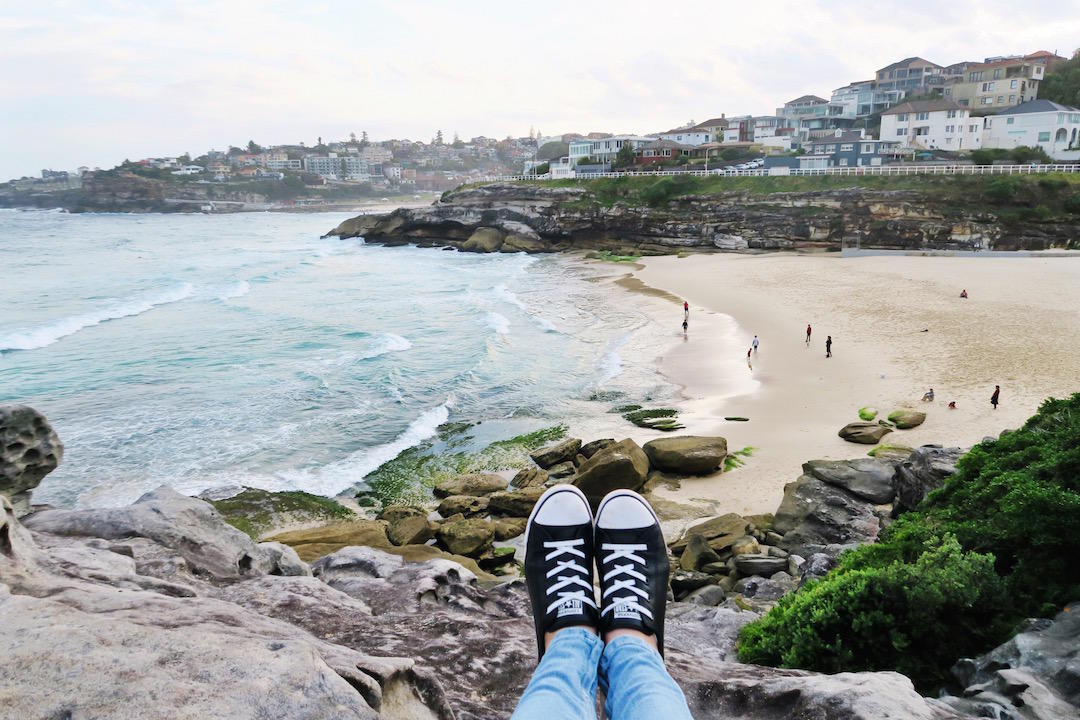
(1038, 670)
(190, 527)
(591, 448)
(866, 433)
(467, 505)
(697, 553)
(527, 477)
(687, 454)
(29, 450)
(868, 478)
(477, 484)
(721, 532)
(470, 537)
(622, 466)
(518, 503)
(814, 514)
(558, 453)
(926, 469)
(906, 418)
(411, 531)
(312, 543)
(484, 240)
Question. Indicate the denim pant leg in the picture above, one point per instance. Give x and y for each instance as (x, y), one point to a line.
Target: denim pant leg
(564, 683)
(637, 683)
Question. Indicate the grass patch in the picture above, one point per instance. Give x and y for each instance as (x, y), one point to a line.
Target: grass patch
(409, 477)
(867, 413)
(738, 458)
(885, 450)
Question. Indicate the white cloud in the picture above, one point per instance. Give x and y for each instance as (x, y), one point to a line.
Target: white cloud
(95, 84)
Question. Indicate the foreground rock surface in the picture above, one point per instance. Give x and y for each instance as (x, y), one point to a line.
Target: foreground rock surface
(96, 625)
(29, 450)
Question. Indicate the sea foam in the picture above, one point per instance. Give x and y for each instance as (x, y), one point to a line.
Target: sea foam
(48, 334)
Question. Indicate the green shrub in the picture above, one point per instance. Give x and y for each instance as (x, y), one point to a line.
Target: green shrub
(997, 543)
(1072, 204)
(987, 156)
(1004, 190)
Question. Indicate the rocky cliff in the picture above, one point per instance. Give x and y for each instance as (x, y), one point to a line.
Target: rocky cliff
(635, 218)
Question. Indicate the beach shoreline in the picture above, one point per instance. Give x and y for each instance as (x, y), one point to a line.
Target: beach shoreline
(899, 327)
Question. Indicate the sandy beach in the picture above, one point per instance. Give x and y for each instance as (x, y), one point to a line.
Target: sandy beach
(898, 326)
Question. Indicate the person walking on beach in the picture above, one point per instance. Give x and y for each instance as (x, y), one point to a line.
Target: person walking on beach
(685, 325)
(748, 359)
(686, 310)
(755, 343)
(995, 396)
(828, 346)
(808, 335)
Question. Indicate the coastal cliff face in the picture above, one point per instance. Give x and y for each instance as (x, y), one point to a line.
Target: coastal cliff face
(514, 217)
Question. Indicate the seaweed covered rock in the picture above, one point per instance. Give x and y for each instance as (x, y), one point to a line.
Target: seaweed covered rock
(475, 484)
(906, 418)
(558, 453)
(866, 433)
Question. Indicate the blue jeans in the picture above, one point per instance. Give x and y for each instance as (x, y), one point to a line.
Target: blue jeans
(631, 673)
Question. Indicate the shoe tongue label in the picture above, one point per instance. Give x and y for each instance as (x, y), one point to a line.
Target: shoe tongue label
(624, 611)
(570, 606)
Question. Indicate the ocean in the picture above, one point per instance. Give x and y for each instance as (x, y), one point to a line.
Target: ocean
(203, 351)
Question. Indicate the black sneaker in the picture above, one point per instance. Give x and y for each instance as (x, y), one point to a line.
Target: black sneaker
(632, 561)
(559, 562)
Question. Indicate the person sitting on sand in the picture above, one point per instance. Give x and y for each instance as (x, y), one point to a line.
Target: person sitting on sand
(928, 396)
(963, 293)
(952, 405)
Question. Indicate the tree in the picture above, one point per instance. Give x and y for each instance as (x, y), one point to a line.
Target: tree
(253, 147)
(438, 138)
(1063, 84)
(352, 137)
(625, 156)
(363, 139)
(458, 144)
(319, 140)
(552, 150)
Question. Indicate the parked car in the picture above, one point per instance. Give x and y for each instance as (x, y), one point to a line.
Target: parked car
(742, 166)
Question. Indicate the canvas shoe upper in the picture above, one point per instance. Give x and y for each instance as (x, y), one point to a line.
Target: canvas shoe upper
(559, 562)
(632, 563)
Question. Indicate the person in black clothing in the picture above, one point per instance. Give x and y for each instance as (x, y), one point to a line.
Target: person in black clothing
(828, 346)
(995, 396)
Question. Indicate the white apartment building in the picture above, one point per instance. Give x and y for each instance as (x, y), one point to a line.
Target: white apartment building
(931, 124)
(376, 154)
(1039, 123)
(687, 136)
(607, 148)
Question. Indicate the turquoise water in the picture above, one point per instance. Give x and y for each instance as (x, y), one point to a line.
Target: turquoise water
(203, 351)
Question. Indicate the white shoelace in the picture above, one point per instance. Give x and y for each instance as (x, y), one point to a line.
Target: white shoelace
(628, 602)
(568, 547)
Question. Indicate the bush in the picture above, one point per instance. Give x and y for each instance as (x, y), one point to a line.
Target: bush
(1004, 190)
(987, 156)
(666, 188)
(1072, 204)
(912, 617)
(1023, 155)
(997, 543)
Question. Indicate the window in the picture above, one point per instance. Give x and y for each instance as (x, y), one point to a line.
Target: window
(951, 114)
(1012, 99)
(868, 148)
(900, 131)
(843, 161)
(922, 116)
(988, 100)
(997, 74)
(973, 128)
(1001, 99)
(949, 128)
(1044, 137)
(830, 148)
(847, 147)
(1012, 84)
(1010, 121)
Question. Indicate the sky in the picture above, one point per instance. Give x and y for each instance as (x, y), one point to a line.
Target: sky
(92, 82)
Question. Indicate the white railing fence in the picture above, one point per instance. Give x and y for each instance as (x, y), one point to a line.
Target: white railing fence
(788, 172)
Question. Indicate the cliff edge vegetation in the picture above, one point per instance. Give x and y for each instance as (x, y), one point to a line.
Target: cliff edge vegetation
(997, 543)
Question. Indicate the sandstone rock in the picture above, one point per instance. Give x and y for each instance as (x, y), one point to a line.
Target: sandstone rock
(867, 433)
(746, 545)
(466, 505)
(579, 460)
(623, 465)
(814, 513)
(312, 543)
(480, 484)
(591, 448)
(261, 512)
(868, 478)
(485, 240)
(721, 532)
(393, 513)
(558, 453)
(684, 582)
(709, 596)
(527, 477)
(518, 503)
(716, 568)
(561, 470)
(411, 531)
(760, 565)
(687, 455)
(506, 528)
(906, 418)
(516, 242)
(926, 470)
(771, 589)
(29, 450)
(773, 538)
(697, 553)
(188, 526)
(470, 537)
